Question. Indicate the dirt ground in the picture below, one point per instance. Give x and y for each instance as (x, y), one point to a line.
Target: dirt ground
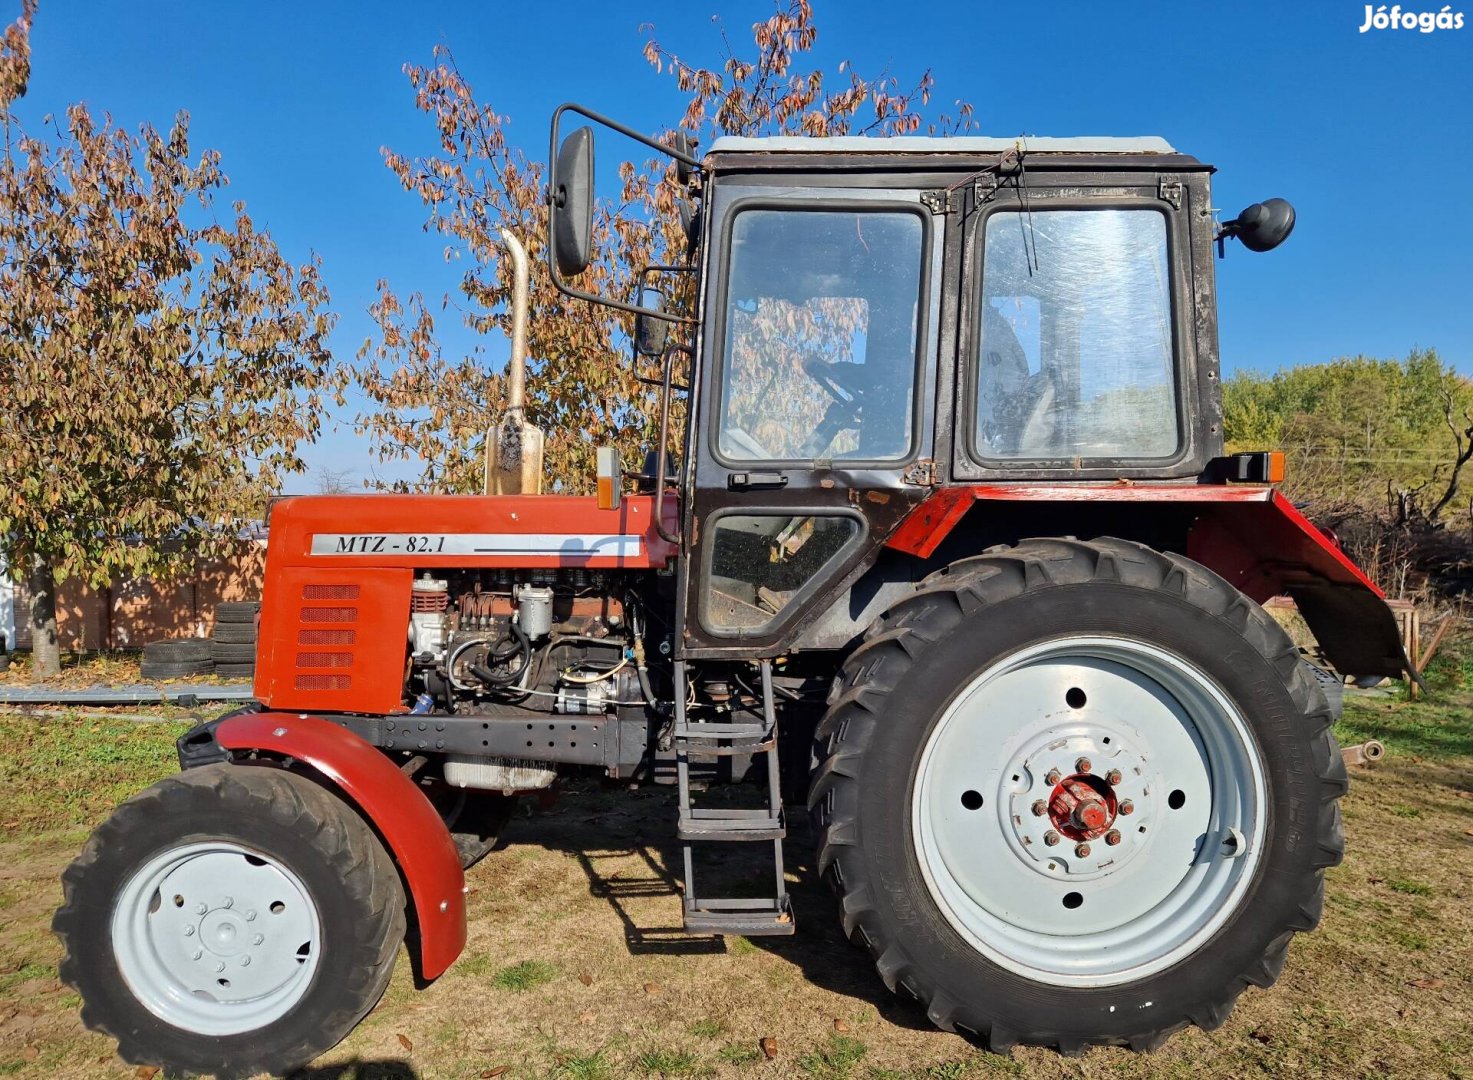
(575, 969)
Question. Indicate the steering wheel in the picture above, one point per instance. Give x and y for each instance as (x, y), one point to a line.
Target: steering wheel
(824, 374)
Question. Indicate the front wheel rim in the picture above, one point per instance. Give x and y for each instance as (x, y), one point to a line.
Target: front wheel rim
(215, 938)
(1089, 811)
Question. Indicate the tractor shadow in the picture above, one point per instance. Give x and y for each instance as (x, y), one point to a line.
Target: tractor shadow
(358, 1070)
(599, 827)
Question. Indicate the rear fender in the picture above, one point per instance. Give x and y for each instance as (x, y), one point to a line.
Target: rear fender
(1248, 533)
(410, 827)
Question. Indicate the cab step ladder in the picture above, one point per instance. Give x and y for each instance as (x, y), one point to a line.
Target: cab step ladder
(750, 917)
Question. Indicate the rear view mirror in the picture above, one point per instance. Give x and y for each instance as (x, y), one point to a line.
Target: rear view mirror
(572, 203)
(1263, 226)
(650, 334)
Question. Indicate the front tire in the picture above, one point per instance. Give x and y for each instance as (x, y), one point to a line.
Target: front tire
(230, 920)
(1077, 793)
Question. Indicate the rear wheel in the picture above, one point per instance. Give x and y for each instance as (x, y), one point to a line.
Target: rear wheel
(1119, 789)
(230, 920)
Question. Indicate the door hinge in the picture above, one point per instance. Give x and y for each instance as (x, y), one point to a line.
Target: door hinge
(922, 473)
(1170, 191)
(943, 201)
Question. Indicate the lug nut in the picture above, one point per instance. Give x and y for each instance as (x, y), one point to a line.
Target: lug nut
(1112, 837)
(189, 931)
(245, 961)
(1051, 838)
(1052, 778)
(196, 954)
(1126, 807)
(200, 909)
(1040, 808)
(1112, 777)
(1083, 765)
(250, 916)
(1082, 851)
(258, 939)
(229, 902)
(220, 966)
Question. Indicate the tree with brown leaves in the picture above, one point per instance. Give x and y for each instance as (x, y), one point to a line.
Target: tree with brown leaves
(158, 366)
(427, 407)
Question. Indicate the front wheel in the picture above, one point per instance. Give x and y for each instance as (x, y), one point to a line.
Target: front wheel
(230, 920)
(1118, 789)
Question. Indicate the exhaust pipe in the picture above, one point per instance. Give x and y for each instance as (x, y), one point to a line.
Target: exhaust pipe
(514, 447)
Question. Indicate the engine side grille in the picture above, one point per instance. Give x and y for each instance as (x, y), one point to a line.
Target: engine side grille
(308, 674)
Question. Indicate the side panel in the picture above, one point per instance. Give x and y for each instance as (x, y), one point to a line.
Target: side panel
(416, 837)
(332, 638)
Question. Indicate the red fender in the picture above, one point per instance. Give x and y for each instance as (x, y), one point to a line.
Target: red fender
(398, 810)
(1248, 533)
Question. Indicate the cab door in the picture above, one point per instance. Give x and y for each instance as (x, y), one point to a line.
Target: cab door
(814, 431)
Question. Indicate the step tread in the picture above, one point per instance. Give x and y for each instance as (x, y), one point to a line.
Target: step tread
(704, 824)
(747, 917)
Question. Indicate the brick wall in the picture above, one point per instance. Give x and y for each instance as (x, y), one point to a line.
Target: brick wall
(132, 611)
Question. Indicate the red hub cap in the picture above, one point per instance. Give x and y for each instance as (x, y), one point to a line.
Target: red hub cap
(1082, 806)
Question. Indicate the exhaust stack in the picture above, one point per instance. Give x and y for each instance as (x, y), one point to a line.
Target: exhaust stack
(514, 447)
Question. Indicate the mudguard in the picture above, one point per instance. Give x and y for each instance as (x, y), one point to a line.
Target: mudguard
(1249, 534)
(398, 811)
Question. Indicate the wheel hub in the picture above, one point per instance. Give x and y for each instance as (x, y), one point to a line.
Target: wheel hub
(1082, 807)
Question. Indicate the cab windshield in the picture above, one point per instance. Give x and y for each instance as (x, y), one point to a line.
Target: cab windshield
(820, 344)
(1075, 357)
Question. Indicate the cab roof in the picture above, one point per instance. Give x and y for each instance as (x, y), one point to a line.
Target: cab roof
(962, 144)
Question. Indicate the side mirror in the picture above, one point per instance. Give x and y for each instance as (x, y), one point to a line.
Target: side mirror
(650, 334)
(572, 203)
(1263, 226)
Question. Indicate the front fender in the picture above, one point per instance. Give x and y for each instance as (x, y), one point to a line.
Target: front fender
(410, 827)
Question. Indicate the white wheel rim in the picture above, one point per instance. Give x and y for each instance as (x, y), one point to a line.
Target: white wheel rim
(1186, 846)
(215, 938)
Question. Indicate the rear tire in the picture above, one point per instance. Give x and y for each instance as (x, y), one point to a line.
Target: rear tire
(303, 917)
(1020, 941)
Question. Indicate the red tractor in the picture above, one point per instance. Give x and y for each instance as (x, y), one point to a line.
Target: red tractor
(952, 549)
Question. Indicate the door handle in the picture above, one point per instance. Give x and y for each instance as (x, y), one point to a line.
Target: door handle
(741, 481)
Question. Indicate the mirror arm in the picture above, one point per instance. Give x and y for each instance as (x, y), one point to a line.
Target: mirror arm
(564, 287)
(661, 454)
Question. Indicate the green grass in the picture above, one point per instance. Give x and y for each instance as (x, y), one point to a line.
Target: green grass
(594, 1066)
(25, 974)
(707, 1029)
(666, 1063)
(837, 1061)
(524, 976)
(67, 773)
(739, 1054)
(1410, 888)
(740, 946)
(1435, 728)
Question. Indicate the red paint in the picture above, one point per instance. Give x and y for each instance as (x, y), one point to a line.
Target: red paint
(417, 839)
(1082, 807)
(332, 631)
(921, 533)
(1267, 548)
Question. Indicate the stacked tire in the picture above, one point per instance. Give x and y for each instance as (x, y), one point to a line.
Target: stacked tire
(177, 659)
(233, 645)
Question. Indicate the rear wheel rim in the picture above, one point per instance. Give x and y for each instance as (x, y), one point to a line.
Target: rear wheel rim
(1170, 844)
(216, 938)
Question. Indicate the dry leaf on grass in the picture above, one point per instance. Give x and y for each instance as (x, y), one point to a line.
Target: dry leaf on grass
(1425, 984)
(651, 988)
(31, 1053)
(841, 1027)
(500, 1070)
(404, 1041)
(147, 1072)
(587, 979)
(769, 1046)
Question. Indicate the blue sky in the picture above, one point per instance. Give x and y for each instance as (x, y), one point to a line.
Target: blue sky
(1368, 134)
